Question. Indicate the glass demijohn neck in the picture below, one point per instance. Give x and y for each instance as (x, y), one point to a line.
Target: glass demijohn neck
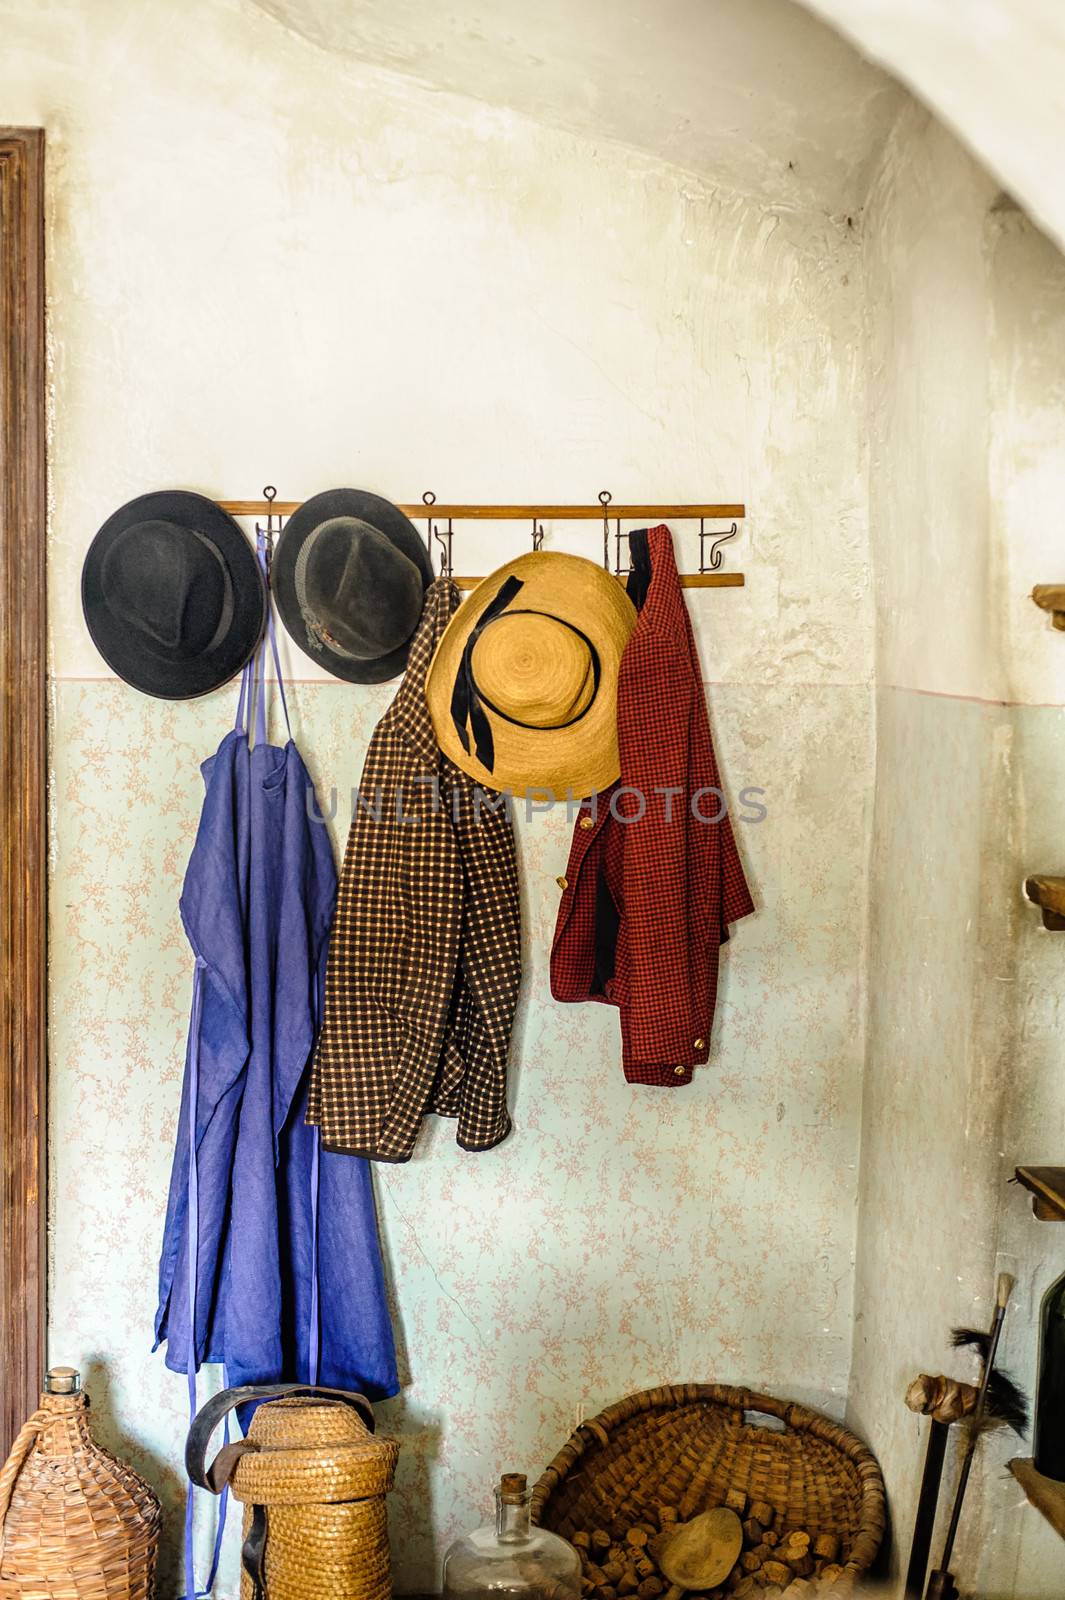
(512, 1509)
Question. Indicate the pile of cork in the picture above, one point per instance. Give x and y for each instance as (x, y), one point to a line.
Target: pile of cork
(776, 1560)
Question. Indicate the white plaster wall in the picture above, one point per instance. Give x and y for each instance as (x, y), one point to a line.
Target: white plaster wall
(1022, 1556)
(749, 91)
(265, 265)
(992, 70)
(965, 329)
(928, 1170)
(926, 288)
(1027, 462)
(755, 94)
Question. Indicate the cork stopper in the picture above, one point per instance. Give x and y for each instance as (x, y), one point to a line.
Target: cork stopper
(512, 1488)
(62, 1380)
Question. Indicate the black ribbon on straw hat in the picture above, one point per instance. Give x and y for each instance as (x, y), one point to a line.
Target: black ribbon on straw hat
(550, 665)
(468, 701)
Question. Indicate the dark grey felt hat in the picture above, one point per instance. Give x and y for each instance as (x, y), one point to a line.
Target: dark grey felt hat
(349, 577)
(173, 595)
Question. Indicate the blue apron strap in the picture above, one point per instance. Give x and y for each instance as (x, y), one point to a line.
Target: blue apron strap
(241, 724)
(314, 1333)
(223, 1506)
(314, 1336)
(192, 1063)
(260, 682)
(272, 631)
(191, 1592)
(260, 694)
(192, 1067)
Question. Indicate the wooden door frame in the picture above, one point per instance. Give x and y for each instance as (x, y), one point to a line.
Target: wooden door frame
(23, 776)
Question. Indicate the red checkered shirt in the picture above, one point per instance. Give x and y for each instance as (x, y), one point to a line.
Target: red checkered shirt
(647, 901)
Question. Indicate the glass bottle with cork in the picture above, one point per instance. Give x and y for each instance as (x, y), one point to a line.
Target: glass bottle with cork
(511, 1557)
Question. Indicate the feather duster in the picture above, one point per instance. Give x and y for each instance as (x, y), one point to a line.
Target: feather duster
(1006, 1404)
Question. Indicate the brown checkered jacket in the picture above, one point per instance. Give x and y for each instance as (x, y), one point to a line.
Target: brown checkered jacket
(424, 959)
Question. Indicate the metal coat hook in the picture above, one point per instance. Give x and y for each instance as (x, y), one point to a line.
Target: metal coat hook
(605, 498)
(443, 539)
(617, 569)
(713, 563)
(269, 532)
(537, 535)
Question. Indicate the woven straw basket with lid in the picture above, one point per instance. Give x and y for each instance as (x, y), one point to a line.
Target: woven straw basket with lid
(312, 1478)
(75, 1524)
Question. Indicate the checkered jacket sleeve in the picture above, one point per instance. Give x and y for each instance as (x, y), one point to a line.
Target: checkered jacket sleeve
(472, 1083)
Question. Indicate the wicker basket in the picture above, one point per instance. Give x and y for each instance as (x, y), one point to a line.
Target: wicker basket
(76, 1523)
(688, 1444)
(312, 1477)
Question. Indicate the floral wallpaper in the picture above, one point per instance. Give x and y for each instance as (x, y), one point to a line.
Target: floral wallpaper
(622, 1236)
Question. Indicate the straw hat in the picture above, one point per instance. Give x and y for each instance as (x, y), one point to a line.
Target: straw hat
(523, 686)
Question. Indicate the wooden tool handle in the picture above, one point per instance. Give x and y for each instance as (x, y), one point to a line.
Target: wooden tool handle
(941, 1397)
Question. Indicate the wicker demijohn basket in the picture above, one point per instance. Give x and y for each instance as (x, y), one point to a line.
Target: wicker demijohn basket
(75, 1524)
(312, 1477)
(687, 1445)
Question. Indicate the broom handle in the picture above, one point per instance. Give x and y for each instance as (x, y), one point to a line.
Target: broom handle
(927, 1504)
(24, 1442)
(1004, 1290)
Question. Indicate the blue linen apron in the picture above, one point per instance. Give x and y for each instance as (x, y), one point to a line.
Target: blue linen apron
(284, 1278)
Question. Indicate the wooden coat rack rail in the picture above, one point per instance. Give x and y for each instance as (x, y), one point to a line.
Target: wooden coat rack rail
(605, 512)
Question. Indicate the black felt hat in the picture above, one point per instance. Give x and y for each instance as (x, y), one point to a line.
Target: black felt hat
(349, 576)
(173, 595)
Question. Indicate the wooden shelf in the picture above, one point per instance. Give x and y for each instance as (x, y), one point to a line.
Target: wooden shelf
(494, 513)
(436, 511)
(1051, 597)
(1047, 1186)
(1049, 895)
(1046, 1494)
